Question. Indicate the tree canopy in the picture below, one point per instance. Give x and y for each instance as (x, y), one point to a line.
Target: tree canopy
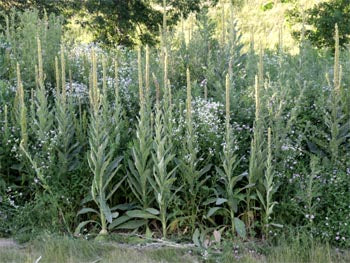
(115, 22)
(322, 18)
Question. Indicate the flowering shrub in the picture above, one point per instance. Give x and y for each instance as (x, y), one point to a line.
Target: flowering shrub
(208, 125)
(333, 214)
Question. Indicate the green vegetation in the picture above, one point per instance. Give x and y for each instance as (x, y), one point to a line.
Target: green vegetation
(320, 18)
(115, 22)
(128, 249)
(230, 153)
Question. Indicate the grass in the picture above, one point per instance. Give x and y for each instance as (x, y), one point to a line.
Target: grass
(64, 249)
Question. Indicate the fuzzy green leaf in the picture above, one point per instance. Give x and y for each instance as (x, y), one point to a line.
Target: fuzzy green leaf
(220, 201)
(195, 238)
(132, 224)
(141, 214)
(118, 221)
(212, 211)
(240, 227)
(86, 210)
(153, 211)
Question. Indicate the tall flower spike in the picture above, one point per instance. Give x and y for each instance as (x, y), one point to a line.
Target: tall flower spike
(36, 76)
(156, 83)
(57, 75)
(165, 79)
(190, 31)
(94, 91)
(269, 148)
(227, 101)
(40, 64)
(7, 21)
(257, 99)
(261, 67)
(139, 63)
(189, 96)
(5, 118)
(336, 61)
(104, 76)
(22, 108)
(116, 80)
(63, 72)
(147, 87)
(20, 92)
(169, 93)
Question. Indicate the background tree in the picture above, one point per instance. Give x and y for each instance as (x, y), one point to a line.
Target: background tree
(114, 22)
(322, 18)
(126, 22)
(59, 7)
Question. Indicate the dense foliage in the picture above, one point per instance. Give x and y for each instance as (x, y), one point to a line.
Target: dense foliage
(188, 139)
(115, 22)
(321, 18)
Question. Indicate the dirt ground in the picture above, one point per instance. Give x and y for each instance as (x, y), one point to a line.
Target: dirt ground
(8, 243)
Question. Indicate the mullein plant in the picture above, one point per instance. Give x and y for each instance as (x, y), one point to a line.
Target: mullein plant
(57, 76)
(110, 123)
(7, 31)
(115, 123)
(42, 126)
(67, 147)
(81, 120)
(257, 159)
(335, 116)
(118, 122)
(140, 163)
(336, 119)
(234, 45)
(44, 116)
(192, 175)
(163, 172)
(44, 123)
(265, 195)
(147, 81)
(162, 155)
(41, 161)
(167, 99)
(21, 109)
(312, 191)
(228, 174)
(102, 163)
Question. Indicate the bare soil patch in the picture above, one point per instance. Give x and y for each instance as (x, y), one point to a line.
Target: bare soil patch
(8, 243)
